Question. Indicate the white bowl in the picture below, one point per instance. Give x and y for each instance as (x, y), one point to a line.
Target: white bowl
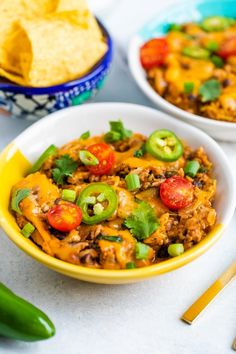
(220, 130)
(65, 125)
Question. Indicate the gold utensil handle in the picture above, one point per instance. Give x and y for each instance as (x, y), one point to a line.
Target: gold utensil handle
(209, 295)
(234, 345)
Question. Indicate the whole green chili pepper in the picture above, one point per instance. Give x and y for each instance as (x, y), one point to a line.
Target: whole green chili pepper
(21, 320)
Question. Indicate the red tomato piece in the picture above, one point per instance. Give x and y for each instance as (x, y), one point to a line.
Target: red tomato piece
(228, 48)
(176, 192)
(105, 156)
(64, 216)
(154, 52)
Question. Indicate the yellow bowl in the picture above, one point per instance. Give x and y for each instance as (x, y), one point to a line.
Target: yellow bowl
(68, 124)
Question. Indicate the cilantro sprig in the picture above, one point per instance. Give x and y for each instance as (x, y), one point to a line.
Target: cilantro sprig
(142, 222)
(140, 152)
(65, 166)
(117, 132)
(210, 90)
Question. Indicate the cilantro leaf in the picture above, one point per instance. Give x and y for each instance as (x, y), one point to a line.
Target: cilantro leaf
(65, 166)
(85, 135)
(210, 90)
(142, 222)
(140, 152)
(118, 127)
(17, 197)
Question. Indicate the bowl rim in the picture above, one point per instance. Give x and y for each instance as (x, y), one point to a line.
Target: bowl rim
(138, 72)
(117, 276)
(96, 69)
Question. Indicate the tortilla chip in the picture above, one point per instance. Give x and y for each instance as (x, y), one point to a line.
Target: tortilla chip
(39, 7)
(15, 46)
(69, 5)
(72, 44)
(47, 42)
(12, 77)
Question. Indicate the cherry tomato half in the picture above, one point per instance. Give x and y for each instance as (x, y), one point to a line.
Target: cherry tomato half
(228, 48)
(153, 53)
(176, 192)
(105, 156)
(64, 216)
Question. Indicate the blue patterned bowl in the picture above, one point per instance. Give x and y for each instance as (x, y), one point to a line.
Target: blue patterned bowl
(33, 103)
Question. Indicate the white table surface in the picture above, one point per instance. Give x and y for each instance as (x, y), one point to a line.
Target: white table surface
(128, 319)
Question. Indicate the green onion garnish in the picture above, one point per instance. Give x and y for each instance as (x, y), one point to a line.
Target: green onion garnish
(117, 239)
(117, 132)
(188, 87)
(118, 127)
(141, 250)
(176, 249)
(98, 208)
(68, 194)
(192, 168)
(85, 135)
(132, 181)
(17, 197)
(217, 61)
(112, 136)
(87, 158)
(50, 151)
(28, 229)
(130, 265)
(212, 46)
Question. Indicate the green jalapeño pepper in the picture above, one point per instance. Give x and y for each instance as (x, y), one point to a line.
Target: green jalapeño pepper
(21, 320)
(164, 145)
(50, 151)
(98, 201)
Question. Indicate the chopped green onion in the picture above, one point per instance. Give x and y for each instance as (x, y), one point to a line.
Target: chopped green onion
(118, 127)
(87, 158)
(132, 181)
(196, 52)
(176, 249)
(85, 135)
(217, 61)
(117, 239)
(141, 250)
(175, 27)
(50, 151)
(98, 208)
(188, 88)
(90, 200)
(17, 197)
(130, 265)
(112, 136)
(28, 229)
(69, 195)
(101, 197)
(192, 168)
(212, 46)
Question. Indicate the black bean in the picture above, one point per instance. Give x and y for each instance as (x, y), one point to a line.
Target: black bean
(226, 82)
(192, 97)
(198, 183)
